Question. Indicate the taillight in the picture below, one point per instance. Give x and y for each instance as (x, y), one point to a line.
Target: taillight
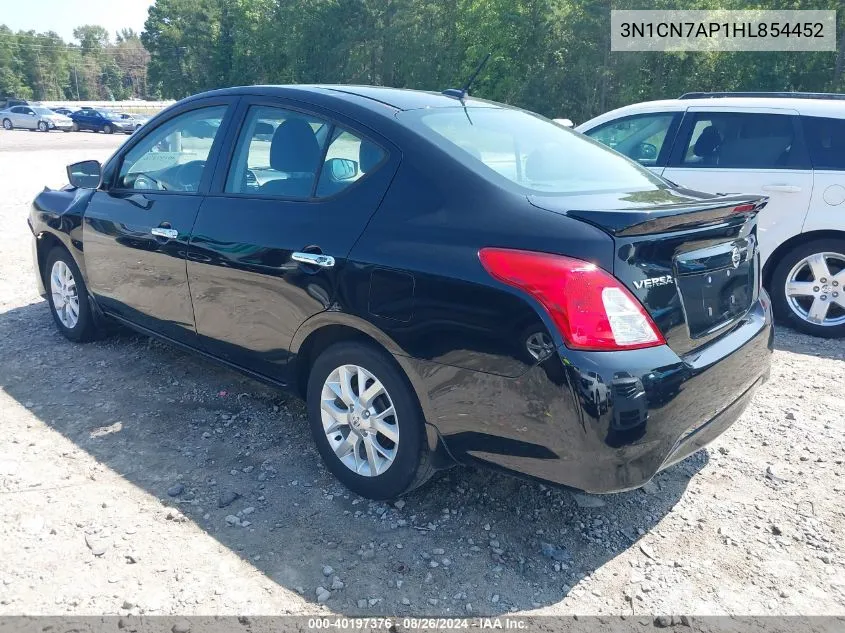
(744, 208)
(591, 308)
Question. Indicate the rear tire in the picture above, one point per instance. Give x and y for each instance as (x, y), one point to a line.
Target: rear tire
(375, 444)
(67, 296)
(7, 124)
(107, 129)
(812, 268)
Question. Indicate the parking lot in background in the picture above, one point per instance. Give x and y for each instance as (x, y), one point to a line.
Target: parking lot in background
(136, 478)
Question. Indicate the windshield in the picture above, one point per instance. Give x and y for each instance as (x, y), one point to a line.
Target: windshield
(531, 151)
(43, 111)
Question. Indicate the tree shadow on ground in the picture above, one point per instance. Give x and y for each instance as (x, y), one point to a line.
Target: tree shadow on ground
(468, 536)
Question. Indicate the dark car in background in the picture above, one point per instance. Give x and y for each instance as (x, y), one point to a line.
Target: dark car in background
(63, 110)
(99, 120)
(442, 279)
(11, 102)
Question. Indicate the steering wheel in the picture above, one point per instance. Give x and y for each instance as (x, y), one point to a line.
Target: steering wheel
(187, 177)
(147, 183)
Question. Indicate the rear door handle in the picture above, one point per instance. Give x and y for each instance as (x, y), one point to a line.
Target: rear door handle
(170, 234)
(315, 259)
(782, 188)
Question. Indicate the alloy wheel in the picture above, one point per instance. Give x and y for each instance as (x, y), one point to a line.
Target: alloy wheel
(7, 124)
(359, 420)
(814, 289)
(42, 126)
(65, 295)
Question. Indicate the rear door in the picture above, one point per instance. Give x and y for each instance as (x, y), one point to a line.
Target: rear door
(755, 150)
(825, 138)
(136, 227)
(293, 191)
(25, 117)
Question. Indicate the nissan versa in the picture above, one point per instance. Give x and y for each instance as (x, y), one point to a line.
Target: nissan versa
(443, 279)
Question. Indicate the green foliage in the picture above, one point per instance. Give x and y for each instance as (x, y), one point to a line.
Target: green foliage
(552, 56)
(42, 66)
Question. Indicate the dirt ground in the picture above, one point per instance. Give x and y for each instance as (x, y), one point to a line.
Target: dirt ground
(138, 479)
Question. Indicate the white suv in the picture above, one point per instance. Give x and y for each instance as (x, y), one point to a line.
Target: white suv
(788, 146)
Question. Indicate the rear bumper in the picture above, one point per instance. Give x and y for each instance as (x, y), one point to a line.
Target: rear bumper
(652, 408)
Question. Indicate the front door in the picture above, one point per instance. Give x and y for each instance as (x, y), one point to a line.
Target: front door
(646, 138)
(753, 151)
(272, 237)
(136, 229)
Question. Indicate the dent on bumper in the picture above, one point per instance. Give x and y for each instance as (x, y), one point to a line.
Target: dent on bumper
(599, 421)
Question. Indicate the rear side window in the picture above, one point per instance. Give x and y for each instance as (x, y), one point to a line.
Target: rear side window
(641, 137)
(741, 140)
(278, 153)
(825, 138)
(286, 154)
(348, 159)
(529, 151)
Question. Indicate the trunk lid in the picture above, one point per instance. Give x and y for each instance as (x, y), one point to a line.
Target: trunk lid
(690, 258)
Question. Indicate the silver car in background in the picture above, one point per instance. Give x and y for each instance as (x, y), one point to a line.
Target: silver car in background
(135, 119)
(31, 117)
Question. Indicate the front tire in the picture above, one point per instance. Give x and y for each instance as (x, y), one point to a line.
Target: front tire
(808, 288)
(7, 124)
(43, 127)
(68, 297)
(75, 127)
(366, 421)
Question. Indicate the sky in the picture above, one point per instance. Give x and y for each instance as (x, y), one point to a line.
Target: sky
(62, 16)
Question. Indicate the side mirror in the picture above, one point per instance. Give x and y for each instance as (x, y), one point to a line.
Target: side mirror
(647, 151)
(342, 169)
(85, 175)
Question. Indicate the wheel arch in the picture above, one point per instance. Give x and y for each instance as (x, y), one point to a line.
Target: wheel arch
(328, 328)
(44, 243)
(791, 243)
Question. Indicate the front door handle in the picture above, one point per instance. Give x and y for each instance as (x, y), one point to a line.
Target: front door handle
(170, 234)
(782, 188)
(315, 259)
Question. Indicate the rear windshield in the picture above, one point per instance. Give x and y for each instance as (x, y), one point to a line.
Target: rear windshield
(530, 151)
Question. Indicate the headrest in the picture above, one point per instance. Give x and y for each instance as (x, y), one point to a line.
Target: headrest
(369, 155)
(707, 142)
(294, 147)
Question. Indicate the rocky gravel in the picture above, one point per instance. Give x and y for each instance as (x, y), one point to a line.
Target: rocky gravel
(138, 479)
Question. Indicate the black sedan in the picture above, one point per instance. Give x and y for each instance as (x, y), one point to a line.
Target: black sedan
(443, 279)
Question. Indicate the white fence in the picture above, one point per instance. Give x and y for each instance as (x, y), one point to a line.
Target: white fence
(140, 107)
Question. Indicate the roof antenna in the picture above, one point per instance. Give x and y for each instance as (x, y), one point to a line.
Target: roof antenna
(463, 92)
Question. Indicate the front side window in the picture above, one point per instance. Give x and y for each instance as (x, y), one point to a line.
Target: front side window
(825, 139)
(278, 153)
(173, 156)
(640, 137)
(741, 140)
(529, 151)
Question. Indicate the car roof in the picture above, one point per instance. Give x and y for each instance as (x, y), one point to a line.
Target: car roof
(809, 107)
(374, 97)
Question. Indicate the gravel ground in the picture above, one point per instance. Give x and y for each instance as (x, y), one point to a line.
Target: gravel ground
(138, 479)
